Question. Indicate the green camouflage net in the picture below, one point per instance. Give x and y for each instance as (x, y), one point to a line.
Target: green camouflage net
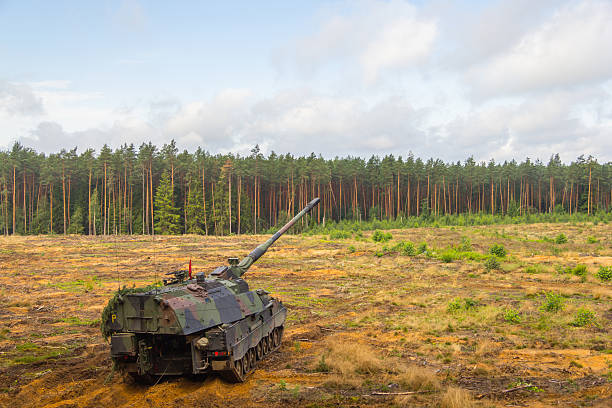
(108, 310)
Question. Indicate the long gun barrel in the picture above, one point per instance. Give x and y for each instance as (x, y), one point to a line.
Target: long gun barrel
(255, 254)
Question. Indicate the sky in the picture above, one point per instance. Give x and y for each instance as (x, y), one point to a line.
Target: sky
(501, 80)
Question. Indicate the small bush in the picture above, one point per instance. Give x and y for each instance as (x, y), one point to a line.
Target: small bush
(470, 303)
(561, 239)
(581, 271)
(578, 270)
(454, 305)
(584, 317)
(351, 249)
(512, 316)
(553, 302)
(492, 263)
(405, 248)
(592, 240)
(458, 304)
(605, 273)
(379, 236)
(339, 234)
(533, 269)
(466, 244)
(498, 250)
(422, 248)
(448, 256)
(322, 366)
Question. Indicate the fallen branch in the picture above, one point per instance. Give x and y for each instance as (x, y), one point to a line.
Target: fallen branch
(399, 393)
(522, 387)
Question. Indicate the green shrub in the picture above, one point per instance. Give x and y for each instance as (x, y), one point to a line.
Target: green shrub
(512, 316)
(448, 256)
(492, 263)
(592, 240)
(498, 250)
(553, 302)
(466, 244)
(405, 248)
(584, 317)
(351, 249)
(465, 304)
(339, 234)
(470, 303)
(605, 273)
(561, 239)
(581, 271)
(379, 236)
(454, 305)
(322, 366)
(422, 248)
(578, 270)
(534, 269)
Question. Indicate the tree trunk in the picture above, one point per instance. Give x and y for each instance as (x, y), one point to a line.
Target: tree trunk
(89, 203)
(204, 202)
(25, 215)
(151, 185)
(14, 180)
(589, 194)
(64, 197)
(51, 208)
(104, 212)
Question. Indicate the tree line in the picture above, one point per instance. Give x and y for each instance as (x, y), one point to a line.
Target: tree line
(151, 190)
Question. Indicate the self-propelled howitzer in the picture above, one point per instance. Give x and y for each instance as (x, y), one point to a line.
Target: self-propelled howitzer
(197, 325)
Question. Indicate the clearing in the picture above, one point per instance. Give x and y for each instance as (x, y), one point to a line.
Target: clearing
(367, 320)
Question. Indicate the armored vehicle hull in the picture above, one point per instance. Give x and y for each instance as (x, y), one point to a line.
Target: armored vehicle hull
(225, 332)
(208, 324)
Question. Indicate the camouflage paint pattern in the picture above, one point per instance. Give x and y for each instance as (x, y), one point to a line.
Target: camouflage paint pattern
(198, 325)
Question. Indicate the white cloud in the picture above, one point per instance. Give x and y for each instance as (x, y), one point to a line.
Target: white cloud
(571, 48)
(377, 36)
(19, 99)
(392, 77)
(542, 125)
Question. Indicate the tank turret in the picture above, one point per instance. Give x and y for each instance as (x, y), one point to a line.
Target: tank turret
(197, 325)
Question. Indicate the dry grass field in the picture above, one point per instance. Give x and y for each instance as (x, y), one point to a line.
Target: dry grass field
(370, 323)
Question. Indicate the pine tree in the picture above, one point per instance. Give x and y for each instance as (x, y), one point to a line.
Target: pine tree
(221, 208)
(96, 219)
(76, 221)
(167, 216)
(195, 209)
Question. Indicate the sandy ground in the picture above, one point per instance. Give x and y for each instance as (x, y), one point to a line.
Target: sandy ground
(359, 325)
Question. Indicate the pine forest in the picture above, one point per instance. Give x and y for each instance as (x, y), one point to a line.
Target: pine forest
(151, 190)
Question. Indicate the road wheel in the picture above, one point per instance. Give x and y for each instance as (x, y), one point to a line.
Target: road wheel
(276, 336)
(252, 359)
(245, 365)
